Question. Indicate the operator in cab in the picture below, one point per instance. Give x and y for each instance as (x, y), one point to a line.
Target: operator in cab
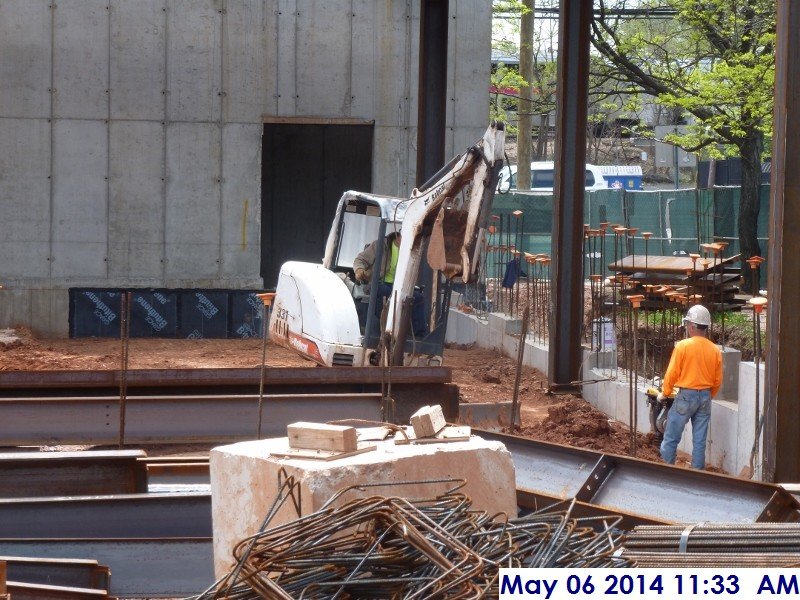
(363, 266)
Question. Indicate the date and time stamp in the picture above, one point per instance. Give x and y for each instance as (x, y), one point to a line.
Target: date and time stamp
(647, 584)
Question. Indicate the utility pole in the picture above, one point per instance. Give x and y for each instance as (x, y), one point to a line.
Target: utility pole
(525, 96)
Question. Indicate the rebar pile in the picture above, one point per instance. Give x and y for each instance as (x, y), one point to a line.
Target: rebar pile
(391, 547)
(714, 545)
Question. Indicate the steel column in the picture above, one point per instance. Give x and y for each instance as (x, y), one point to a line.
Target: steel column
(782, 383)
(570, 160)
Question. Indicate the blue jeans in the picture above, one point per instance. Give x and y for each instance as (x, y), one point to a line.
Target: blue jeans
(417, 308)
(694, 405)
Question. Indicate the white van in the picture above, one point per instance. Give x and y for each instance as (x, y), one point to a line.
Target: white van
(543, 177)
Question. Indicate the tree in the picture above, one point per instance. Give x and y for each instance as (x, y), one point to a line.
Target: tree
(711, 59)
(507, 81)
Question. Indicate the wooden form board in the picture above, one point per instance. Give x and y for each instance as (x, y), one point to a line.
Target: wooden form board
(669, 264)
(320, 436)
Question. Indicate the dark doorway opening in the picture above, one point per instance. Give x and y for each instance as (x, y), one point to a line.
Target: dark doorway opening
(305, 170)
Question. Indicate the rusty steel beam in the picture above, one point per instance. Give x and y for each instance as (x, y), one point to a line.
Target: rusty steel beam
(782, 384)
(124, 516)
(659, 492)
(274, 376)
(575, 17)
(29, 474)
(39, 591)
(141, 568)
(66, 572)
(197, 418)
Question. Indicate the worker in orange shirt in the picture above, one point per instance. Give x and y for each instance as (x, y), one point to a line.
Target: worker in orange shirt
(695, 367)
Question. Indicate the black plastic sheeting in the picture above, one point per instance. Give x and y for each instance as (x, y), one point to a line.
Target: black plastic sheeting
(164, 313)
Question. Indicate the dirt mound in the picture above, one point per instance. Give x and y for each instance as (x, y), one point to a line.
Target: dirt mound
(577, 423)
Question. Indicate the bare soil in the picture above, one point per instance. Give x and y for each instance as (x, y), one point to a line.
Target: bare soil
(482, 376)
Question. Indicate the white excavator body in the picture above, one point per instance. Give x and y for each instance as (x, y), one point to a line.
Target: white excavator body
(322, 313)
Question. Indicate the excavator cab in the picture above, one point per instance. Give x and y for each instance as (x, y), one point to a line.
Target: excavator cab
(361, 219)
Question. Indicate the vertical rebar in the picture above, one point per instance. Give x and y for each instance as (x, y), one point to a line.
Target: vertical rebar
(635, 301)
(518, 249)
(520, 355)
(266, 300)
(124, 335)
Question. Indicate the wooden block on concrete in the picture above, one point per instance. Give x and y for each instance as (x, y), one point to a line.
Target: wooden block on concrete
(318, 436)
(428, 421)
(3, 571)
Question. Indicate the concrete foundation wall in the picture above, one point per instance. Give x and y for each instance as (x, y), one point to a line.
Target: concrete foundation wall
(130, 132)
(733, 416)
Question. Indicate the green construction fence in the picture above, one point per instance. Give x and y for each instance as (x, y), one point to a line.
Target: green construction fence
(679, 220)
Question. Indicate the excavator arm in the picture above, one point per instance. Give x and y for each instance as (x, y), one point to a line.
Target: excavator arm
(450, 213)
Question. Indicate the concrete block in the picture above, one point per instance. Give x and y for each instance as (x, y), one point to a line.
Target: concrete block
(593, 359)
(746, 422)
(493, 341)
(602, 395)
(536, 355)
(730, 374)
(614, 399)
(244, 481)
(504, 324)
(511, 346)
(461, 328)
(722, 442)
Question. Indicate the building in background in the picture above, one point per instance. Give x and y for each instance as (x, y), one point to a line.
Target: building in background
(197, 144)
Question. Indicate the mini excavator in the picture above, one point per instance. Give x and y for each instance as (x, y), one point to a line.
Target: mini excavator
(321, 312)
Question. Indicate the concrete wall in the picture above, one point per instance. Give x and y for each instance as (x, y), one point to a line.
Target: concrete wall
(130, 131)
(733, 421)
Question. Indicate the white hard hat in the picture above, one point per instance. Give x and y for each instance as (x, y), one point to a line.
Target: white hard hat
(699, 315)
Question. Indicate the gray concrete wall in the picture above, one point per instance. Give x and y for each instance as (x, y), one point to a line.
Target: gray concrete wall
(130, 130)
